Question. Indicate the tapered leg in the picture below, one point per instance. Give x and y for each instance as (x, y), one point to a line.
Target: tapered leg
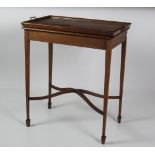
(27, 75)
(50, 62)
(123, 55)
(106, 88)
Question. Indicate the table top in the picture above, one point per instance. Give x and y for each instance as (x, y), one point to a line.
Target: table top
(77, 25)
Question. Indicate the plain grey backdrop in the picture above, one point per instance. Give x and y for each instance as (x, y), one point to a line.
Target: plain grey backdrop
(71, 122)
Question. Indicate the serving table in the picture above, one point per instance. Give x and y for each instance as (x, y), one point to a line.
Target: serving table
(91, 33)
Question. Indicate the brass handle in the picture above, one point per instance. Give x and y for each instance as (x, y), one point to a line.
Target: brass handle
(34, 17)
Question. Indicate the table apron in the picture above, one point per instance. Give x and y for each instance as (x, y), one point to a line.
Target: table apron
(81, 41)
(120, 38)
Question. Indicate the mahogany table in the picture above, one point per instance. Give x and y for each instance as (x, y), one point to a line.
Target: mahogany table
(91, 33)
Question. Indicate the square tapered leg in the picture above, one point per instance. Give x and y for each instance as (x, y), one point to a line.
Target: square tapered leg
(122, 70)
(27, 76)
(106, 88)
(50, 63)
